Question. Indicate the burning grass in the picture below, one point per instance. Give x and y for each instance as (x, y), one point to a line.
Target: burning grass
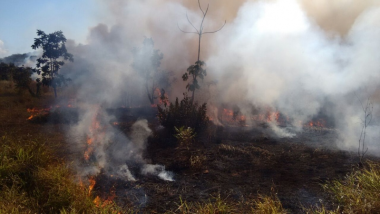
(33, 180)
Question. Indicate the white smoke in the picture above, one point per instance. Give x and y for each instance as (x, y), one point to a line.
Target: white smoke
(274, 55)
(270, 54)
(157, 170)
(3, 51)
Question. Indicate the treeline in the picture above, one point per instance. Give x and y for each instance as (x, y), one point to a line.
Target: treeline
(19, 77)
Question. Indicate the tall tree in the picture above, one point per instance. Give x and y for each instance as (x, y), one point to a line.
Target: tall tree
(52, 59)
(147, 61)
(197, 70)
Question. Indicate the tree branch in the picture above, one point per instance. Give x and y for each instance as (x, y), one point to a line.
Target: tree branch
(216, 30)
(204, 16)
(191, 23)
(185, 31)
(199, 4)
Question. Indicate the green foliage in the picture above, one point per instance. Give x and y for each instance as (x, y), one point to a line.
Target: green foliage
(184, 135)
(19, 75)
(194, 71)
(184, 114)
(54, 52)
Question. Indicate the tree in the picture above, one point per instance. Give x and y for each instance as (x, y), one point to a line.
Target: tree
(54, 52)
(197, 70)
(147, 61)
(22, 78)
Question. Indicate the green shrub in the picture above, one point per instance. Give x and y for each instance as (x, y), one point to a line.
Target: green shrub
(184, 114)
(184, 135)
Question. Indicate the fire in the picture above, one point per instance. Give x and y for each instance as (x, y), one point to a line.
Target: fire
(94, 136)
(272, 116)
(231, 117)
(43, 111)
(99, 203)
(92, 184)
(316, 124)
(89, 150)
(162, 98)
(35, 112)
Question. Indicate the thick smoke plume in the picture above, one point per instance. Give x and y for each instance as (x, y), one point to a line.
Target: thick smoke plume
(286, 55)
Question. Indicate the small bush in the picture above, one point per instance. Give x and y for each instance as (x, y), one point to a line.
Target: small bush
(184, 135)
(183, 114)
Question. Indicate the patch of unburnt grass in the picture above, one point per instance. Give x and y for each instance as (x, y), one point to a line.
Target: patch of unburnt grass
(359, 191)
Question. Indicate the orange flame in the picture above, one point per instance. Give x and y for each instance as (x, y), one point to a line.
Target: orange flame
(34, 112)
(99, 203)
(92, 184)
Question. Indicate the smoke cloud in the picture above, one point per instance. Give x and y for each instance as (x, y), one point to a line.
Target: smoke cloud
(290, 56)
(275, 55)
(3, 51)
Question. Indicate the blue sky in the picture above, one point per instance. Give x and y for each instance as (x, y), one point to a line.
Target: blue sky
(20, 19)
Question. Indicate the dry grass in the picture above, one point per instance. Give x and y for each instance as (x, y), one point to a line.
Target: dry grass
(359, 192)
(268, 205)
(216, 205)
(196, 161)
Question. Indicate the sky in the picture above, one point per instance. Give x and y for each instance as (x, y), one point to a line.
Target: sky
(20, 19)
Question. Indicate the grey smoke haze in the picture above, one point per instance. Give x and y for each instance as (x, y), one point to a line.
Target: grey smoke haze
(3, 51)
(292, 56)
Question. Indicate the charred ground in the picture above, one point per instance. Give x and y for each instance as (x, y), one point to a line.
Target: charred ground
(233, 163)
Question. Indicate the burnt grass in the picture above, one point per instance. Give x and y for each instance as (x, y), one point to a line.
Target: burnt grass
(237, 163)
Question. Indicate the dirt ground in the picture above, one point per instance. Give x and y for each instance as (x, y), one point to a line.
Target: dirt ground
(237, 165)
